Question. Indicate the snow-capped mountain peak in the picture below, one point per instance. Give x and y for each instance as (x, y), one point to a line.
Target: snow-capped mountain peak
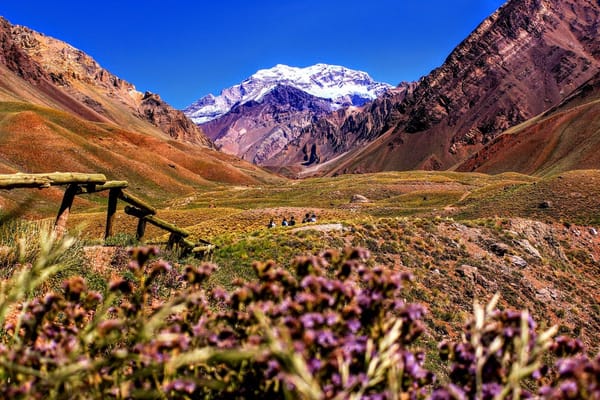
(341, 85)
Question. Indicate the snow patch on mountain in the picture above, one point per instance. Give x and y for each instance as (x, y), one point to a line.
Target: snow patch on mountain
(343, 86)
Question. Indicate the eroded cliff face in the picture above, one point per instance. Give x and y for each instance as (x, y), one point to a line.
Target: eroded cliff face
(518, 63)
(75, 82)
(171, 121)
(522, 60)
(13, 56)
(565, 137)
(319, 138)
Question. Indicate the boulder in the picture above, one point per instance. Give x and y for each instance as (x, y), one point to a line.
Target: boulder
(499, 249)
(528, 247)
(467, 271)
(546, 294)
(358, 198)
(517, 261)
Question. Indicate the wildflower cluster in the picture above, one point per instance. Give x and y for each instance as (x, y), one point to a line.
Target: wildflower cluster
(334, 328)
(331, 327)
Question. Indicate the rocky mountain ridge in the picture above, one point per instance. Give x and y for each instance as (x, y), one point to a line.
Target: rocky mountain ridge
(341, 86)
(258, 130)
(564, 137)
(75, 82)
(521, 61)
(61, 111)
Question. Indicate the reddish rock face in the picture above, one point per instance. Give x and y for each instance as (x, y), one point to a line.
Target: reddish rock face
(563, 138)
(521, 61)
(68, 79)
(171, 121)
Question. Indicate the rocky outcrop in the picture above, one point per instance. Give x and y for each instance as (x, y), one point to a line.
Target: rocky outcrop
(171, 121)
(336, 133)
(13, 56)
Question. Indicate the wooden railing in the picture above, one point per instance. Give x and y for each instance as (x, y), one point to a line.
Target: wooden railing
(78, 183)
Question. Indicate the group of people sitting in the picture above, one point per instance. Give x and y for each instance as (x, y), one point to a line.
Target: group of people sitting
(292, 221)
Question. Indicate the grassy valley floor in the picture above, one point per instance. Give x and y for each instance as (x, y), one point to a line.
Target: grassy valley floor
(462, 236)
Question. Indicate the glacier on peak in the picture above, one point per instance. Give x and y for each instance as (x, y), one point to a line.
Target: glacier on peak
(341, 85)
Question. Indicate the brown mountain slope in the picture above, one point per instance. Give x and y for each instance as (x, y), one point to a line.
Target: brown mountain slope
(36, 139)
(521, 61)
(564, 138)
(59, 111)
(67, 79)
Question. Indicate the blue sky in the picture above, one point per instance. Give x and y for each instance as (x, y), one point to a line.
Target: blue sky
(185, 50)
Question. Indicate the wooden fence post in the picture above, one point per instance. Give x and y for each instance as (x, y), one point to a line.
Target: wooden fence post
(174, 240)
(113, 195)
(60, 226)
(141, 229)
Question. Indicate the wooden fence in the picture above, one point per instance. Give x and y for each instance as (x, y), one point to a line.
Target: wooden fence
(79, 183)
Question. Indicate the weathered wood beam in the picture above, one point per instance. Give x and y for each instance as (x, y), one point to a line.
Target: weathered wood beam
(93, 188)
(204, 249)
(138, 213)
(188, 243)
(64, 178)
(60, 226)
(13, 182)
(113, 195)
(20, 180)
(205, 242)
(137, 202)
(111, 185)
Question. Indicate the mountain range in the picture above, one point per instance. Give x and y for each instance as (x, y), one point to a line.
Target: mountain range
(61, 111)
(519, 94)
(339, 85)
(257, 119)
(523, 60)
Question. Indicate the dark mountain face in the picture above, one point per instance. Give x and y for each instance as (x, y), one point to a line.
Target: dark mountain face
(524, 59)
(261, 131)
(566, 137)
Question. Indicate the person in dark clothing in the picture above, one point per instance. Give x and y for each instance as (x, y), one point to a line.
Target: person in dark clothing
(284, 222)
(292, 221)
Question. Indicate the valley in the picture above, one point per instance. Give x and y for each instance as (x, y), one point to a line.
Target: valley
(462, 235)
(478, 183)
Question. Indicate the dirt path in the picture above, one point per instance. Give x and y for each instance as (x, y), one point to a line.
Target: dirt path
(452, 207)
(321, 228)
